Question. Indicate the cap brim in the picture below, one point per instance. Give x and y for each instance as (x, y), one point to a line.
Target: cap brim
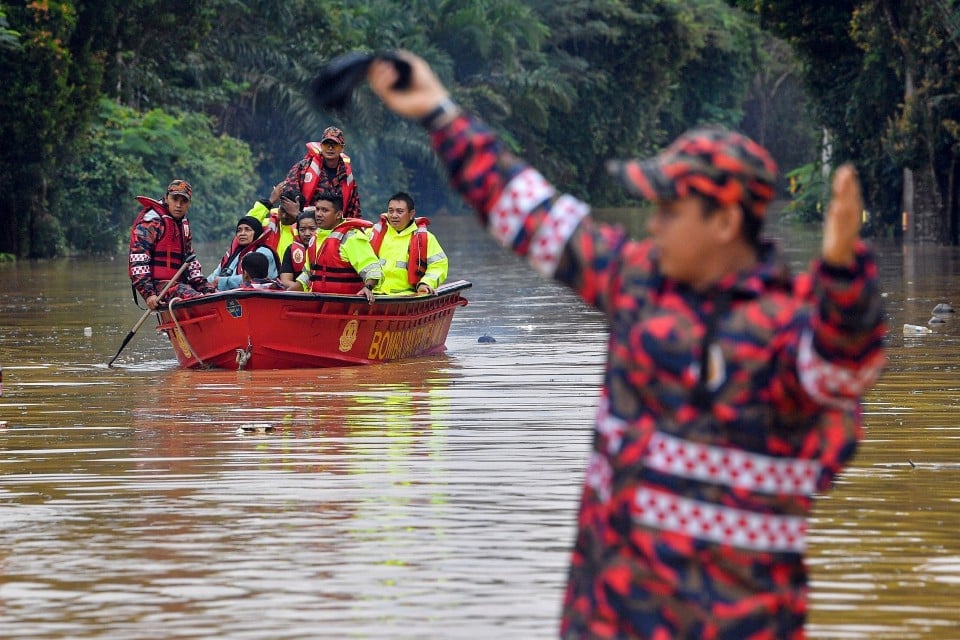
(643, 179)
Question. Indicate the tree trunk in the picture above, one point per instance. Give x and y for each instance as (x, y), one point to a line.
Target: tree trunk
(930, 215)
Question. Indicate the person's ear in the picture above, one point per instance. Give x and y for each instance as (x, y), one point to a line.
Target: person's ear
(729, 222)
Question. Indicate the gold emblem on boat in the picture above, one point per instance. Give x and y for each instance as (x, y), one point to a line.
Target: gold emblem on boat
(349, 336)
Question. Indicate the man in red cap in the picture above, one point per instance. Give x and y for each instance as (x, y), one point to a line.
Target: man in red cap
(160, 240)
(732, 389)
(326, 169)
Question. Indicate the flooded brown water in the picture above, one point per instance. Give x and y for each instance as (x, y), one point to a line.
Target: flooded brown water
(429, 498)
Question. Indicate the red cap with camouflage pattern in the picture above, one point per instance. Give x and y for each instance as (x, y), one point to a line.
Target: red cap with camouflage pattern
(180, 187)
(713, 162)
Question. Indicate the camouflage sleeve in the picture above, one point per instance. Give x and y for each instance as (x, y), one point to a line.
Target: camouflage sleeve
(194, 271)
(841, 354)
(525, 213)
(295, 176)
(143, 238)
(353, 206)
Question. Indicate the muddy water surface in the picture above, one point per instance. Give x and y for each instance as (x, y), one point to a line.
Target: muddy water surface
(429, 498)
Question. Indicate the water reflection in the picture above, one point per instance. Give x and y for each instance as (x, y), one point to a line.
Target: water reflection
(427, 498)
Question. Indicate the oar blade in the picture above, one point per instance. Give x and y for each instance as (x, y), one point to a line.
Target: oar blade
(125, 341)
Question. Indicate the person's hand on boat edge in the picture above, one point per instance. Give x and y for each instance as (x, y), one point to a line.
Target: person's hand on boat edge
(841, 228)
(367, 292)
(425, 96)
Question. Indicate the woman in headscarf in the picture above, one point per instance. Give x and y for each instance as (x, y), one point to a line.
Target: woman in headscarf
(249, 238)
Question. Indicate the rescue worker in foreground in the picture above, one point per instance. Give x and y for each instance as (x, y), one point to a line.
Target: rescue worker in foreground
(731, 392)
(160, 240)
(410, 255)
(340, 257)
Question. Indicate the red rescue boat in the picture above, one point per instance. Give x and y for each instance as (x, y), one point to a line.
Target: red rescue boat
(259, 329)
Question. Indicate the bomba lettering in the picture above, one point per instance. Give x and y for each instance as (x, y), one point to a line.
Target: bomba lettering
(392, 345)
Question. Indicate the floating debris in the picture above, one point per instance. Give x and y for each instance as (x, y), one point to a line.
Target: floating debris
(486, 339)
(916, 330)
(256, 427)
(88, 331)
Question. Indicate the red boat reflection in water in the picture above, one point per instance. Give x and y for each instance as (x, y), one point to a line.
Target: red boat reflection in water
(258, 329)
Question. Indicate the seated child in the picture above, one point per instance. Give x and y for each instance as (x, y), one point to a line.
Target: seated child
(255, 268)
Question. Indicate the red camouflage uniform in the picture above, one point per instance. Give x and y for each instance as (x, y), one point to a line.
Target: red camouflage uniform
(329, 182)
(143, 239)
(693, 516)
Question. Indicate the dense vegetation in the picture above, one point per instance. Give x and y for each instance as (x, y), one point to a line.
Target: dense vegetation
(106, 100)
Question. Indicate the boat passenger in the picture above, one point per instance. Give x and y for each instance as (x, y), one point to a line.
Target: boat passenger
(256, 266)
(249, 238)
(327, 169)
(295, 259)
(160, 241)
(411, 257)
(732, 389)
(340, 257)
(278, 213)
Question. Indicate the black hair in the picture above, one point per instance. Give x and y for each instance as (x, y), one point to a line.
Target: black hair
(255, 265)
(292, 193)
(404, 197)
(751, 224)
(332, 197)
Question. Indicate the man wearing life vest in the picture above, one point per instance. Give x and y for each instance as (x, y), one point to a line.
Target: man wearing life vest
(326, 169)
(340, 257)
(411, 257)
(279, 222)
(250, 238)
(160, 240)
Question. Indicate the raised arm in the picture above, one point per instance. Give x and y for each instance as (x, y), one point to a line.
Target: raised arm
(518, 206)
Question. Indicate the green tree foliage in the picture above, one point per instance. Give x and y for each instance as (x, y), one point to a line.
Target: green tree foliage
(567, 84)
(778, 115)
(130, 154)
(42, 107)
(883, 81)
(9, 39)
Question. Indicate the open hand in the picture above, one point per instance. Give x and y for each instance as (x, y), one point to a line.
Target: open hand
(842, 223)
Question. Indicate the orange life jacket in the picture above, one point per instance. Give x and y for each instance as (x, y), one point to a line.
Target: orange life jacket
(329, 272)
(169, 250)
(298, 257)
(268, 238)
(311, 176)
(417, 253)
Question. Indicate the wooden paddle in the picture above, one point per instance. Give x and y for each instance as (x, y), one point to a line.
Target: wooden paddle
(190, 258)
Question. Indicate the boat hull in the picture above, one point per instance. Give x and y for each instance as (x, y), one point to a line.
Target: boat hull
(258, 329)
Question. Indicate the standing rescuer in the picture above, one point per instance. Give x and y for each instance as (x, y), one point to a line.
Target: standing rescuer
(731, 392)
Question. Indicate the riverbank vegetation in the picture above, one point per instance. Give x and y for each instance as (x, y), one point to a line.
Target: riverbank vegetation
(111, 99)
